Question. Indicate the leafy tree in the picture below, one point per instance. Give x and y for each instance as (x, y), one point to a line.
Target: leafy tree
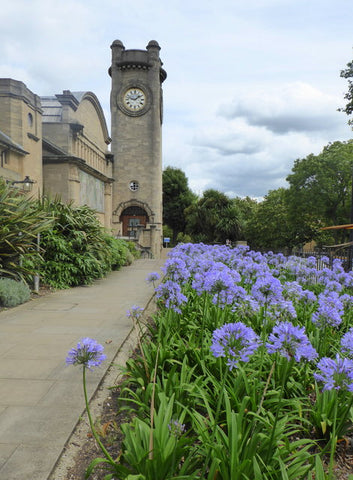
(213, 219)
(348, 73)
(320, 191)
(177, 196)
(247, 210)
(270, 226)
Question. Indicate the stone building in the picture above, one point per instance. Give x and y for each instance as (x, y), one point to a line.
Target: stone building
(77, 165)
(20, 134)
(61, 144)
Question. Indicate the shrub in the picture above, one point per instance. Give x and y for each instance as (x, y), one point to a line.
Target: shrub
(21, 220)
(13, 293)
(77, 249)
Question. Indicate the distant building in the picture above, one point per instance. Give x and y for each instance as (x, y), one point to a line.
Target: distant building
(61, 142)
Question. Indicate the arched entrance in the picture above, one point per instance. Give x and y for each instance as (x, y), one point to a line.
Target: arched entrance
(131, 218)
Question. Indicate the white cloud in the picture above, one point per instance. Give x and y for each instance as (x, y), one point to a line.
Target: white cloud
(252, 85)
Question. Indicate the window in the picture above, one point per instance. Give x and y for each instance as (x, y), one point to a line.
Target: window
(134, 186)
(30, 120)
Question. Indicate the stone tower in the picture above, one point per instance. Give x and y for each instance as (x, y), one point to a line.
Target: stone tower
(136, 129)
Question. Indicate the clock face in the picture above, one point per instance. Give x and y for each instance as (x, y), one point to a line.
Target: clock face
(134, 99)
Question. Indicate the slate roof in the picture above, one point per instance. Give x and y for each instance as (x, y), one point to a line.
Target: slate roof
(52, 108)
(6, 141)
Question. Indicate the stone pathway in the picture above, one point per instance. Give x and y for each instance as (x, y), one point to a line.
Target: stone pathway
(41, 397)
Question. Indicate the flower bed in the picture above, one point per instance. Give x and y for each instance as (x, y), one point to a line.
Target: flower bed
(247, 372)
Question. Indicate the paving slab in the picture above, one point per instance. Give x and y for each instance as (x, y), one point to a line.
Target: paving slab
(41, 398)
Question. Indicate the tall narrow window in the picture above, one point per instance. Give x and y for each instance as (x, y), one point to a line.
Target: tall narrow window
(30, 120)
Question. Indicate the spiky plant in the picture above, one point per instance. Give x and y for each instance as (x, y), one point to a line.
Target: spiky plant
(21, 220)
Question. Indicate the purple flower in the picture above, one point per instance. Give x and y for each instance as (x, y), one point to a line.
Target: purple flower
(176, 269)
(153, 277)
(347, 343)
(290, 342)
(135, 312)
(267, 289)
(234, 341)
(170, 293)
(176, 428)
(282, 309)
(329, 311)
(87, 353)
(335, 374)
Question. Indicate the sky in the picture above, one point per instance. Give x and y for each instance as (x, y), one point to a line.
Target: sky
(252, 85)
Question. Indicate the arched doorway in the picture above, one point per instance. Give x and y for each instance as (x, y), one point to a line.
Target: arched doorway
(131, 218)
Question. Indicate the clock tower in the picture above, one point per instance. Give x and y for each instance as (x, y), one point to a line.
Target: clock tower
(136, 129)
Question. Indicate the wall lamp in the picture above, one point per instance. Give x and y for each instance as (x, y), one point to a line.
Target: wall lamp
(27, 183)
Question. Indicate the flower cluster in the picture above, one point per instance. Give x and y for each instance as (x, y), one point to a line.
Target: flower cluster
(347, 343)
(135, 313)
(170, 293)
(330, 310)
(88, 353)
(176, 428)
(335, 373)
(290, 342)
(153, 277)
(234, 341)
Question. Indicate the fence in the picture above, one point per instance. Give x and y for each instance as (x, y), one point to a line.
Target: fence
(344, 254)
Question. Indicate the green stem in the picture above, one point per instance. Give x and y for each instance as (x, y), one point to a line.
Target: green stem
(333, 442)
(213, 435)
(94, 433)
(203, 323)
(283, 383)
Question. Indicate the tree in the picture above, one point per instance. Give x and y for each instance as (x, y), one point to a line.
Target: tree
(247, 210)
(320, 191)
(348, 73)
(270, 226)
(177, 196)
(213, 219)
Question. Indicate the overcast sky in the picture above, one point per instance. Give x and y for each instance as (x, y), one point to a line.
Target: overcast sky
(252, 84)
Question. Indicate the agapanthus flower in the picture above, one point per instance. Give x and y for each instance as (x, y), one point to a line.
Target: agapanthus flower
(347, 300)
(153, 277)
(267, 289)
(292, 291)
(330, 310)
(88, 353)
(176, 428)
(290, 342)
(170, 293)
(175, 269)
(135, 312)
(335, 374)
(281, 310)
(234, 341)
(347, 343)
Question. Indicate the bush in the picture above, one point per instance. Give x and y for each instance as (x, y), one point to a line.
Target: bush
(13, 293)
(77, 249)
(21, 220)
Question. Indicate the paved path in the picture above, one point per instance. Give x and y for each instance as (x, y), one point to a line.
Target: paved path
(40, 397)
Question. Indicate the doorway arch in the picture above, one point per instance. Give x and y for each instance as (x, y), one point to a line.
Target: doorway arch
(131, 218)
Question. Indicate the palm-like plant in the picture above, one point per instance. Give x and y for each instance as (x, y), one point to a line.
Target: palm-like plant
(21, 220)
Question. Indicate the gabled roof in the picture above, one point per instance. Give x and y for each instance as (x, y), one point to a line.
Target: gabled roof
(5, 141)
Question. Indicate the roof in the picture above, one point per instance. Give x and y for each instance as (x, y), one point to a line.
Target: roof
(52, 105)
(11, 145)
(347, 226)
